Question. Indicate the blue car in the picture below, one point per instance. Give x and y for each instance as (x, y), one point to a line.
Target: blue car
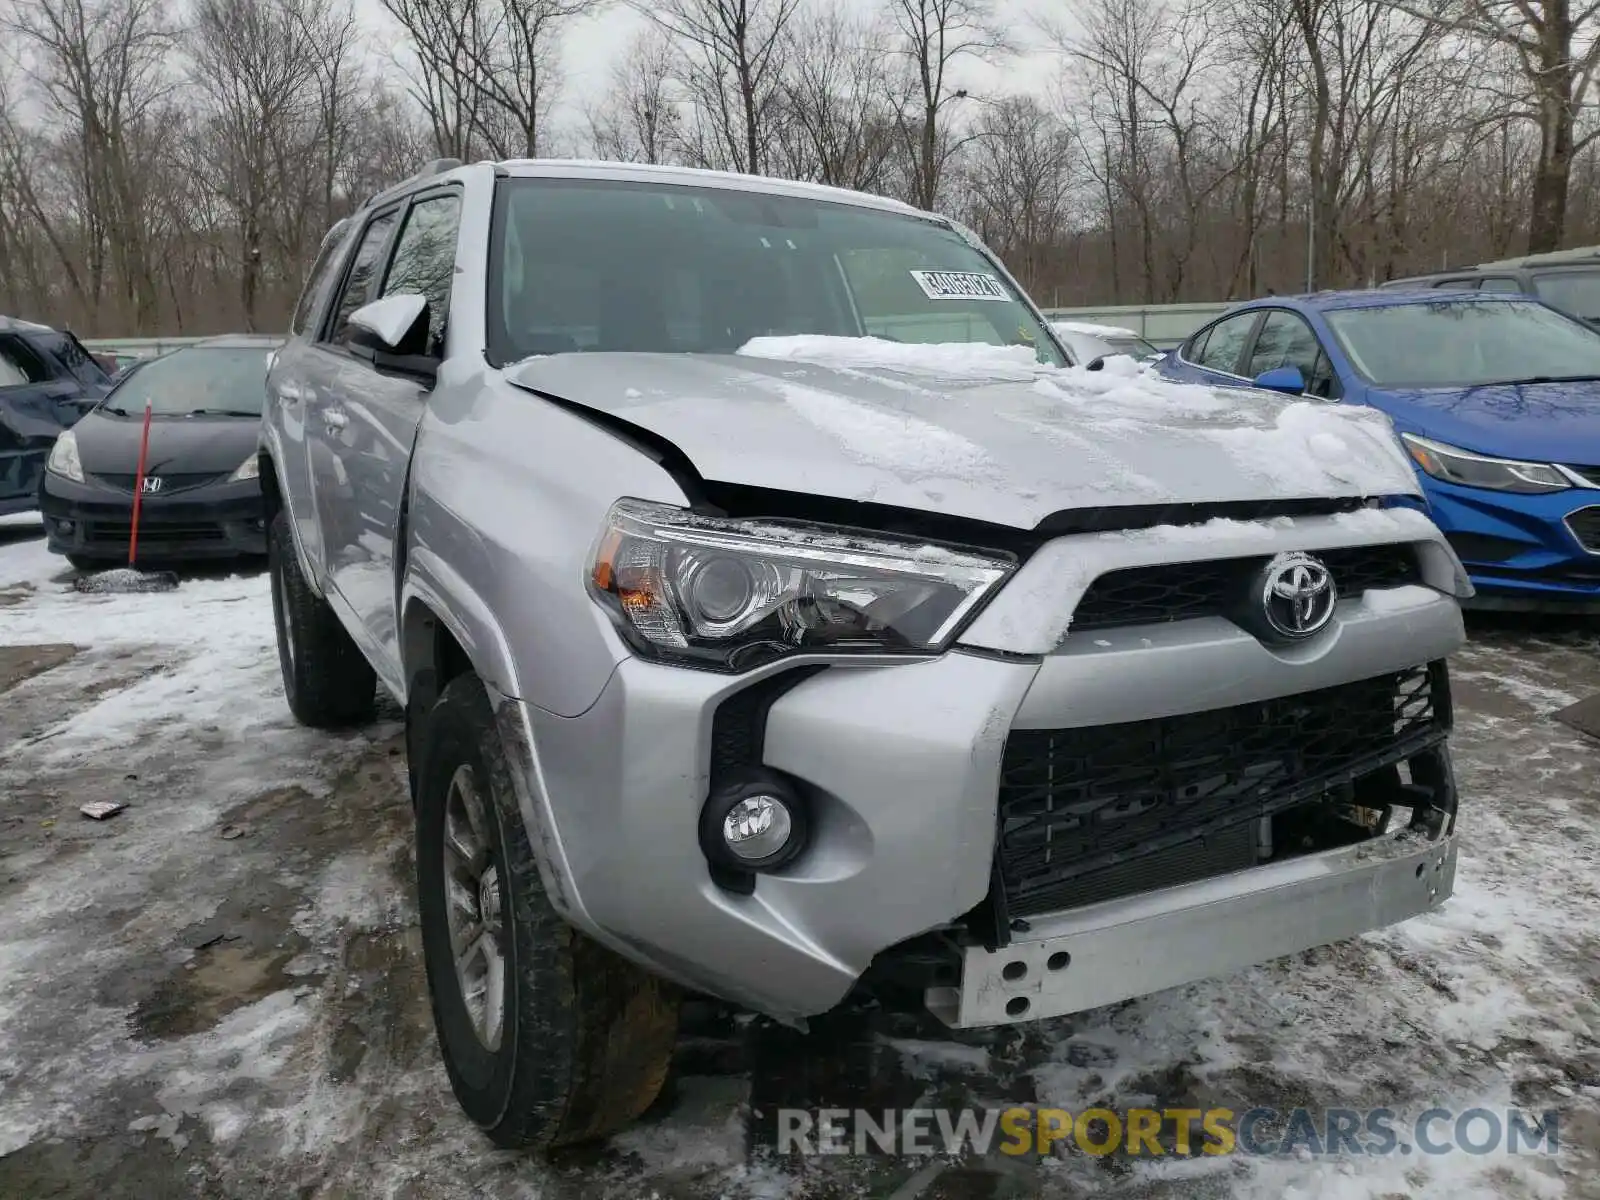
(48, 381)
(1496, 398)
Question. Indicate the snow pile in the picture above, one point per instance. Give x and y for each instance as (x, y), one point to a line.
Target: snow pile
(1090, 329)
(1119, 392)
(960, 359)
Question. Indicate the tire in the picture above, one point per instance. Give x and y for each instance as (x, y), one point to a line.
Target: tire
(585, 1037)
(329, 683)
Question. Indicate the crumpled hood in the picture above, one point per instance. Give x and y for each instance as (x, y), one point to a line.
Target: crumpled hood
(985, 433)
(1545, 422)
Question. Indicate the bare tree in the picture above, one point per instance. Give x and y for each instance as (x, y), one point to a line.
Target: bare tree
(485, 71)
(639, 122)
(731, 72)
(255, 63)
(935, 38)
(97, 67)
(1556, 46)
(841, 127)
(1021, 184)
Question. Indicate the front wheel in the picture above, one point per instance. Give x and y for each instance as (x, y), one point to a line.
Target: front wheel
(548, 1037)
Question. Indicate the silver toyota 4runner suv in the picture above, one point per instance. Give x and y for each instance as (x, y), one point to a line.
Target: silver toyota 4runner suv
(777, 612)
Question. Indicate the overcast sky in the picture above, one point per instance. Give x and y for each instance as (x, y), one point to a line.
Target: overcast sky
(592, 44)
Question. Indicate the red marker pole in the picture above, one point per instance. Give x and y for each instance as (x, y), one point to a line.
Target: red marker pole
(138, 485)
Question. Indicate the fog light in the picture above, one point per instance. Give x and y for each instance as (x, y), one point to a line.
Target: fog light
(757, 827)
(754, 822)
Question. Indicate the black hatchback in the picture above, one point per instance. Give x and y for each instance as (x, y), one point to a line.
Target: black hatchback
(201, 497)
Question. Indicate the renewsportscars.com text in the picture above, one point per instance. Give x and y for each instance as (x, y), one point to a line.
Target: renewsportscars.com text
(1167, 1131)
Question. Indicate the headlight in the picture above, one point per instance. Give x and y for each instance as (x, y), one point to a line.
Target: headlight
(63, 458)
(729, 595)
(250, 468)
(1454, 465)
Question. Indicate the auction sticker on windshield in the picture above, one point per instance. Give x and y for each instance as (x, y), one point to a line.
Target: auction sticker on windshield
(960, 285)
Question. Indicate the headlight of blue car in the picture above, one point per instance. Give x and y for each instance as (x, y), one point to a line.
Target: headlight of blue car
(1451, 464)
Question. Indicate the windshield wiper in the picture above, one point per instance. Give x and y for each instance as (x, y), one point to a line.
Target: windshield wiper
(1546, 379)
(221, 412)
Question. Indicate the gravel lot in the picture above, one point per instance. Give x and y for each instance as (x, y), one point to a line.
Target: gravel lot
(218, 992)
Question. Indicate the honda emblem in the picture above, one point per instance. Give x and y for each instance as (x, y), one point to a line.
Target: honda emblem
(152, 483)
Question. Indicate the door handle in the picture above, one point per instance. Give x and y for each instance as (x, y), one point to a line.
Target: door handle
(334, 419)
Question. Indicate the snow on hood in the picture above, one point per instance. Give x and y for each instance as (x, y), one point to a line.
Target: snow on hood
(984, 432)
(939, 360)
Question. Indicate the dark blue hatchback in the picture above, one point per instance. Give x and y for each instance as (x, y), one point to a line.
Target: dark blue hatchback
(1495, 397)
(48, 381)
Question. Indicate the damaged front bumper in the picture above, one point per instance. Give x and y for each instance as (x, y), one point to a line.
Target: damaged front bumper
(1104, 953)
(927, 821)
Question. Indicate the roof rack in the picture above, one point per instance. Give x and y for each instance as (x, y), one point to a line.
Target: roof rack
(437, 166)
(1578, 254)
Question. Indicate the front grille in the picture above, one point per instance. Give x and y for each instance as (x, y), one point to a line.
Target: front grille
(153, 532)
(169, 483)
(1183, 591)
(1585, 526)
(1074, 802)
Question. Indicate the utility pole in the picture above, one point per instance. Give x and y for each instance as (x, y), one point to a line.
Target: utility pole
(1311, 237)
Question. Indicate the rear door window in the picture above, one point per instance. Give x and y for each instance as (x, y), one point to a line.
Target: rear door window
(19, 365)
(1575, 292)
(11, 375)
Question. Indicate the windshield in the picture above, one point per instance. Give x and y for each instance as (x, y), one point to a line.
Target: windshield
(198, 379)
(585, 265)
(1136, 347)
(1576, 292)
(1465, 343)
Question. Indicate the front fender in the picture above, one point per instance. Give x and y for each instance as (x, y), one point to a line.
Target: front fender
(466, 615)
(508, 493)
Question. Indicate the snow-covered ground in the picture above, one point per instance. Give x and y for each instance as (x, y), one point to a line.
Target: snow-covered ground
(217, 992)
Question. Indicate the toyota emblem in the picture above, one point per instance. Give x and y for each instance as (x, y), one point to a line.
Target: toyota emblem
(1297, 595)
(152, 483)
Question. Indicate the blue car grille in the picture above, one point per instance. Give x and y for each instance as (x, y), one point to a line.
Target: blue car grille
(1184, 591)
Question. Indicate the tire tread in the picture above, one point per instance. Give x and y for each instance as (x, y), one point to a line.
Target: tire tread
(594, 1055)
(330, 685)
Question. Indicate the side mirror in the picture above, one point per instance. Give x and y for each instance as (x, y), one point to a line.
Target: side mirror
(392, 334)
(1096, 364)
(1288, 380)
